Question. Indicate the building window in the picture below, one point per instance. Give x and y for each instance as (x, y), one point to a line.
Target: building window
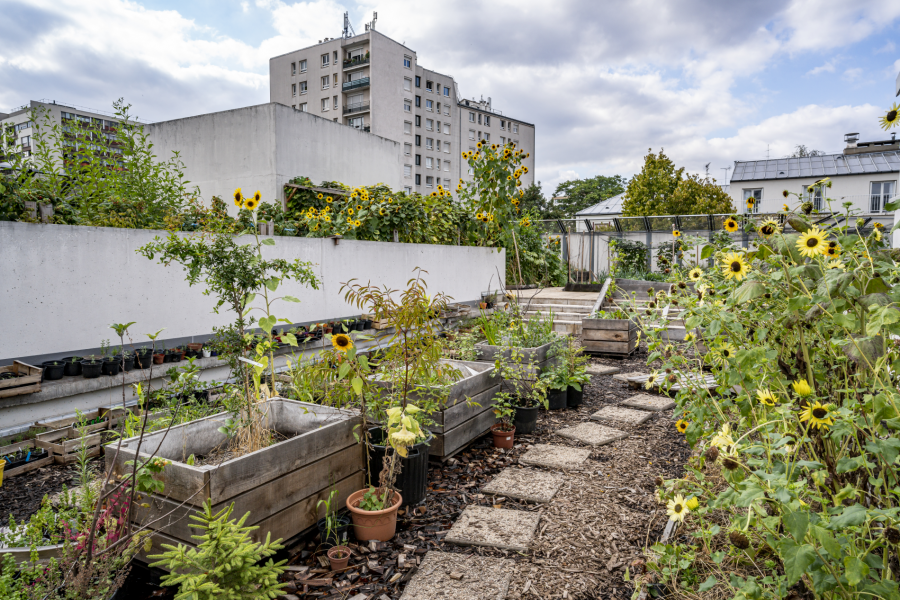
(429, 105)
(355, 122)
(437, 109)
(447, 183)
(335, 80)
(516, 128)
(447, 128)
(446, 91)
(881, 192)
(407, 149)
(407, 107)
(324, 104)
(303, 66)
(502, 141)
(471, 134)
(407, 189)
(429, 162)
(471, 117)
(437, 146)
(303, 107)
(447, 165)
(429, 182)
(418, 101)
(447, 148)
(429, 144)
(418, 121)
(480, 139)
(302, 87)
(407, 127)
(502, 125)
(429, 124)
(335, 103)
(418, 179)
(757, 200)
(326, 60)
(418, 81)
(418, 160)
(447, 109)
(429, 86)
(293, 89)
(438, 126)
(487, 136)
(407, 62)
(407, 84)
(407, 171)
(293, 68)
(814, 197)
(487, 120)
(418, 140)
(325, 81)
(294, 106)
(479, 119)
(335, 57)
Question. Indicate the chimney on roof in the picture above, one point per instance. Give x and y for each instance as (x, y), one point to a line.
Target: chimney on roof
(851, 139)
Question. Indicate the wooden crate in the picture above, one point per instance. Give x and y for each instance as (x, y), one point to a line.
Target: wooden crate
(27, 382)
(64, 444)
(29, 466)
(615, 337)
(376, 324)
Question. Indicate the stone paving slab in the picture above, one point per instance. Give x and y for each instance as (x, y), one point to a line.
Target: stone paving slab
(494, 527)
(626, 377)
(448, 576)
(592, 434)
(602, 370)
(555, 457)
(530, 485)
(618, 414)
(648, 402)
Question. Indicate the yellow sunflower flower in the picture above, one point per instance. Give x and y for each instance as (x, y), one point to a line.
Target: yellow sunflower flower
(766, 397)
(676, 233)
(817, 415)
(257, 196)
(341, 341)
(329, 199)
(723, 438)
(726, 351)
(677, 508)
(692, 503)
(801, 388)
(319, 196)
(891, 118)
(695, 274)
(768, 228)
(812, 243)
(836, 264)
(785, 207)
(876, 233)
(731, 225)
(350, 211)
(250, 204)
(238, 198)
(359, 207)
(681, 425)
(734, 267)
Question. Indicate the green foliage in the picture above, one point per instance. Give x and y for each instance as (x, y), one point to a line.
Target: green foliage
(628, 257)
(578, 194)
(224, 566)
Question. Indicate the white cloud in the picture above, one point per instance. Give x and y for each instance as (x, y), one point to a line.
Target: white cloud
(828, 67)
(852, 74)
(888, 47)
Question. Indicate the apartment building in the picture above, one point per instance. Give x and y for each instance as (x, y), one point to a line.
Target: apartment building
(94, 129)
(374, 83)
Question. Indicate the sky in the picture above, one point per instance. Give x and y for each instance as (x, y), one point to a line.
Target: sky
(603, 82)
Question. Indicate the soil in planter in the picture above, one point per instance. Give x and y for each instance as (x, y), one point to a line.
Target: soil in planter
(21, 495)
(223, 454)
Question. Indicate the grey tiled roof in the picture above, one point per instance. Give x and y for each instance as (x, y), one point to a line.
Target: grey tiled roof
(817, 166)
(610, 206)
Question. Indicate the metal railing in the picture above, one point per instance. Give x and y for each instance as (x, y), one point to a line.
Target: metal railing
(355, 62)
(357, 107)
(356, 84)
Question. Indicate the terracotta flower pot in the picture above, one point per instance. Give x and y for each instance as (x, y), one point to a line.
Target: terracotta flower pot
(503, 439)
(338, 563)
(378, 525)
(158, 358)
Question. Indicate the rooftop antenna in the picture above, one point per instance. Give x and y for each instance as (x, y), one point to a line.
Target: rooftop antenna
(767, 151)
(374, 18)
(707, 170)
(726, 169)
(348, 28)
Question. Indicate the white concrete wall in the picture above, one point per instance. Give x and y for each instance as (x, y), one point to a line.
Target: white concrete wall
(64, 285)
(262, 147)
(853, 188)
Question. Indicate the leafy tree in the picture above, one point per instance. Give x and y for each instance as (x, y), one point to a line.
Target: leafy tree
(534, 201)
(578, 194)
(661, 189)
(801, 151)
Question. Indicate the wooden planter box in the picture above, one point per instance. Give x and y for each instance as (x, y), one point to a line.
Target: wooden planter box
(615, 337)
(540, 357)
(29, 466)
(27, 382)
(279, 486)
(64, 444)
(465, 413)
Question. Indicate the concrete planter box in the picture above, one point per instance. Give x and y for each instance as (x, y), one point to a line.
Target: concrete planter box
(465, 412)
(279, 485)
(538, 359)
(616, 337)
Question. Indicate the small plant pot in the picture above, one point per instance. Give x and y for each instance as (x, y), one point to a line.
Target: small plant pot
(91, 369)
(378, 525)
(502, 438)
(128, 364)
(159, 358)
(482, 305)
(526, 419)
(143, 360)
(574, 397)
(556, 399)
(195, 347)
(111, 366)
(73, 367)
(53, 369)
(339, 536)
(206, 353)
(339, 556)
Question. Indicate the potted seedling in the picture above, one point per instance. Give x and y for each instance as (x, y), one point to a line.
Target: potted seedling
(504, 432)
(557, 381)
(333, 528)
(206, 352)
(72, 366)
(53, 369)
(576, 374)
(91, 367)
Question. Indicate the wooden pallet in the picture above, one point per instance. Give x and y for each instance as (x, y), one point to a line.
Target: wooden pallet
(28, 380)
(704, 381)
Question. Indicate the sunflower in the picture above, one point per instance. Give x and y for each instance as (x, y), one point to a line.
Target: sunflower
(766, 397)
(327, 219)
(785, 193)
(341, 341)
(877, 225)
(833, 251)
(681, 425)
(358, 207)
(238, 198)
(695, 274)
(381, 211)
(768, 228)
(731, 225)
(836, 264)
(891, 118)
(801, 388)
(319, 196)
(751, 201)
(734, 267)
(676, 233)
(817, 415)
(812, 243)
(350, 211)
(329, 199)
(677, 508)
(876, 233)
(726, 351)
(257, 196)
(723, 438)
(785, 207)
(251, 203)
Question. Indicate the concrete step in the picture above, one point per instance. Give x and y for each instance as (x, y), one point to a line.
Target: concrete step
(557, 317)
(570, 327)
(555, 306)
(557, 302)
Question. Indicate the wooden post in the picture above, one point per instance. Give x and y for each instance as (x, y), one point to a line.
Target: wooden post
(46, 210)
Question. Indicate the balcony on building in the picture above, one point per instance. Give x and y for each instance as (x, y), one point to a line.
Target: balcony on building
(356, 84)
(356, 107)
(356, 62)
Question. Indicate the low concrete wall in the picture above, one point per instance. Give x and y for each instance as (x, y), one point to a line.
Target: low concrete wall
(62, 286)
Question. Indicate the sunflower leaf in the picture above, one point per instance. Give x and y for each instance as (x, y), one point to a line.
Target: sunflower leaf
(797, 559)
(343, 370)
(750, 290)
(864, 351)
(707, 251)
(268, 242)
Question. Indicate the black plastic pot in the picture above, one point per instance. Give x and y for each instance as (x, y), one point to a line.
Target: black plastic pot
(368, 324)
(111, 366)
(128, 363)
(414, 472)
(53, 369)
(12, 464)
(342, 533)
(526, 419)
(574, 397)
(91, 369)
(73, 367)
(556, 399)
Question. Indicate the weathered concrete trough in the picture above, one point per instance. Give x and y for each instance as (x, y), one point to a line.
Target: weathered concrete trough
(279, 485)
